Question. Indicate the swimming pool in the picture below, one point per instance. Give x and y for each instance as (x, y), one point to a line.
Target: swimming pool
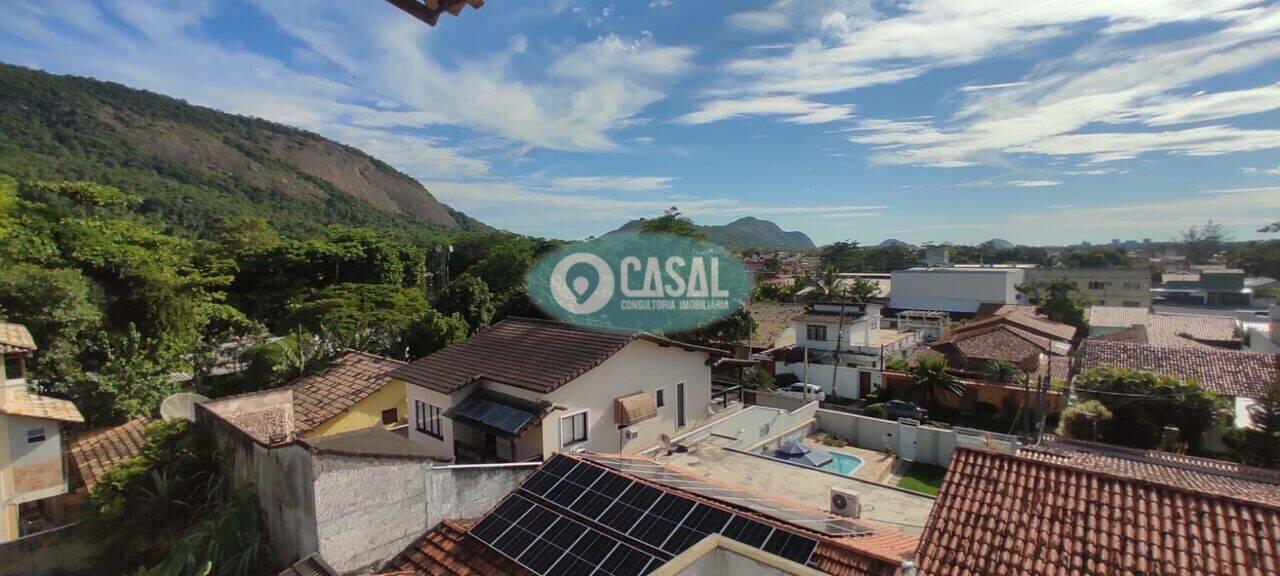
(843, 464)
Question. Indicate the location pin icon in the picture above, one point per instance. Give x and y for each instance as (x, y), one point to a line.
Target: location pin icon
(580, 286)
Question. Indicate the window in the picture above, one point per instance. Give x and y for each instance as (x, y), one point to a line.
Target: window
(573, 429)
(390, 417)
(12, 367)
(1132, 286)
(680, 405)
(1097, 285)
(815, 332)
(426, 419)
(35, 435)
(1132, 304)
(659, 398)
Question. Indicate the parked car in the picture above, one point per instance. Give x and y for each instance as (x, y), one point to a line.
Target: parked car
(797, 390)
(1261, 313)
(902, 409)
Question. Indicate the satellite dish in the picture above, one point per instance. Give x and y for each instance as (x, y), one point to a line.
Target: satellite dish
(181, 406)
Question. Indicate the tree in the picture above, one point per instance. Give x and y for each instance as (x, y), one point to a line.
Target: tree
(844, 256)
(1144, 403)
(861, 290)
(1001, 371)
(1260, 444)
(735, 327)
(434, 331)
(776, 291)
(673, 223)
(1201, 244)
(1084, 421)
(1060, 300)
(470, 298)
(931, 381)
(505, 267)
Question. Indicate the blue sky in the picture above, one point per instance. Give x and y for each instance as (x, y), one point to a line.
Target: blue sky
(957, 120)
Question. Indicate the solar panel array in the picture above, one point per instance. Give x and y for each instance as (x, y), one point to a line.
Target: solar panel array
(494, 414)
(575, 517)
(807, 518)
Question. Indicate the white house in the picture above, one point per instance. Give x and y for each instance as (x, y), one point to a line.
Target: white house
(955, 289)
(842, 348)
(524, 389)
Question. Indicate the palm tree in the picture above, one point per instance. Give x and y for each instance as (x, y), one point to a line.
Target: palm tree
(1002, 371)
(931, 380)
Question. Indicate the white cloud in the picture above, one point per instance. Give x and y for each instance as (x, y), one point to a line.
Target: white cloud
(759, 21)
(1033, 183)
(1253, 171)
(613, 183)
(795, 110)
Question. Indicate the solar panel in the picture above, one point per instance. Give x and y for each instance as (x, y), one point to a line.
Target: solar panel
(647, 520)
(493, 414)
(809, 519)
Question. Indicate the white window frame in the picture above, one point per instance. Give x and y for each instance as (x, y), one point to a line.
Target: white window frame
(586, 424)
(37, 435)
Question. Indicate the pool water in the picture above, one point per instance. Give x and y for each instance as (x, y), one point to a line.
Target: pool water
(843, 464)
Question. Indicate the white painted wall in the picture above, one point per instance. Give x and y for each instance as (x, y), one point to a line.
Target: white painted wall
(955, 289)
(864, 332)
(846, 381)
(23, 453)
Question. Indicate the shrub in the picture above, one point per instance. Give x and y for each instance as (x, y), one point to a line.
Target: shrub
(876, 411)
(1084, 421)
(898, 365)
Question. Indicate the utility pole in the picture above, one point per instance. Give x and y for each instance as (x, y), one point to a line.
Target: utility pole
(835, 368)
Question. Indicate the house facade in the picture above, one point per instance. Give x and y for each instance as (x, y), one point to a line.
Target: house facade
(955, 289)
(1127, 287)
(31, 435)
(525, 389)
(843, 348)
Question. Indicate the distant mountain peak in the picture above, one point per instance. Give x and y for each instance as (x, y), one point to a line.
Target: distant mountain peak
(744, 233)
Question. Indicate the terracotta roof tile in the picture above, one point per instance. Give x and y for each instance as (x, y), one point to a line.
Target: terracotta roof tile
(351, 378)
(1194, 331)
(447, 550)
(1002, 514)
(999, 341)
(1116, 316)
(537, 355)
(1027, 318)
(772, 319)
(96, 451)
(45, 407)
(1227, 372)
(1170, 469)
(15, 338)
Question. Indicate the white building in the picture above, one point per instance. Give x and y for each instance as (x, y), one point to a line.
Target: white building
(845, 348)
(955, 289)
(525, 389)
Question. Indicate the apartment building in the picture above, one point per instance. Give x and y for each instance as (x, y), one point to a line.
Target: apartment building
(1128, 287)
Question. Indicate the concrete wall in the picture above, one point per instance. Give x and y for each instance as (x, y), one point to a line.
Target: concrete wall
(465, 492)
(282, 480)
(35, 469)
(863, 332)
(954, 289)
(753, 424)
(64, 550)
(933, 445)
(846, 381)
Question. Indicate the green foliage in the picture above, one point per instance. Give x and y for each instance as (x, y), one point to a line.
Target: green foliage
(1144, 403)
(1001, 371)
(876, 411)
(735, 327)
(1258, 258)
(505, 265)
(1084, 420)
(470, 298)
(1259, 445)
(61, 308)
(673, 223)
(1096, 258)
(923, 478)
(898, 365)
(1060, 300)
(170, 511)
(931, 381)
(776, 291)
(1201, 244)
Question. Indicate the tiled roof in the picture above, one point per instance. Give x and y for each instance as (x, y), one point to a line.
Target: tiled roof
(537, 355)
(44, 407)
(96, 451)
(1133, 334)
(772, 319)
(1002, 514)
(447, 550)
(1116, 316)
(429, 11)
(15, 338)
(1026, 317)
(312, 565)
(999, 342)
(1188, 330)
(1175, 470)
(351, 378)
(1226, 372)
(877, 554)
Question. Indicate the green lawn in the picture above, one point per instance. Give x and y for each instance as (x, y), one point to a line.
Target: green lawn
(923, 478)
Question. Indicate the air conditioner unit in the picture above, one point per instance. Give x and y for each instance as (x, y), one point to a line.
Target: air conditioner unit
(845, 502)
(632, 433)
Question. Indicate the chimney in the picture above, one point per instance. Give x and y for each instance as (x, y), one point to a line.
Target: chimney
(908, 567)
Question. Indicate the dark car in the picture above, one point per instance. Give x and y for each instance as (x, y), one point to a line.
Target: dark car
(901, 409)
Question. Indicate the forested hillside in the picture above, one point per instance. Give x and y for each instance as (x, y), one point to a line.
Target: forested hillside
(195, 167)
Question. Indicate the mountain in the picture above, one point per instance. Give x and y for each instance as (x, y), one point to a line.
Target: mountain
(895, 242)
(195, 166)
(744, 234)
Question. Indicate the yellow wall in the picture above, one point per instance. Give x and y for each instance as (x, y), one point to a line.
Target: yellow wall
(366, 413)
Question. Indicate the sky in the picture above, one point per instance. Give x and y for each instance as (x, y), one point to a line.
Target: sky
(946, 120)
